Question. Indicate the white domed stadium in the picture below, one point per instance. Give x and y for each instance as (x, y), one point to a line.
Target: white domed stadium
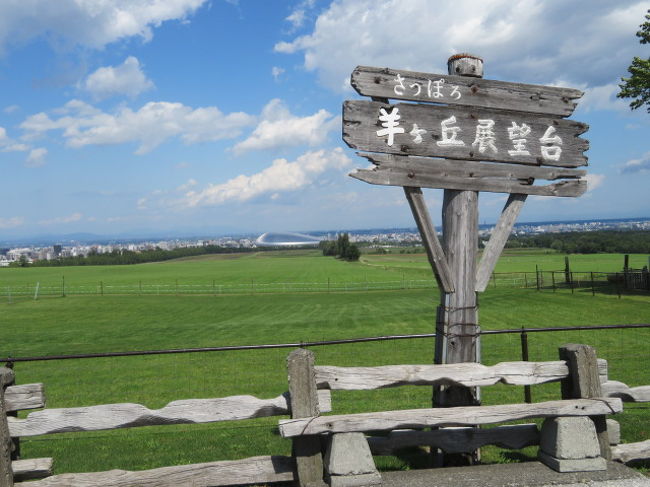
(286, 239)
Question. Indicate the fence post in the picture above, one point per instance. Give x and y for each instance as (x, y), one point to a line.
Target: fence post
(583, 382)
(63, 286)
(593, 291)
(304, 404)
(494, 279)
(526, 280)
(553, 280)
(524, 357)
(571, 282)
(537, 276)
(6, 472)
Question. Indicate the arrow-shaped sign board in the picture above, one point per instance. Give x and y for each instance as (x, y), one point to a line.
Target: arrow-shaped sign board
(464, 133)
(462, 90)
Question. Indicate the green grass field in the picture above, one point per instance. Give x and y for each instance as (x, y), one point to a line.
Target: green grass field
(82, 324)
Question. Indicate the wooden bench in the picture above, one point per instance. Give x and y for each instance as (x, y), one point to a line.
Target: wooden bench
(261, 469)
(581, 396)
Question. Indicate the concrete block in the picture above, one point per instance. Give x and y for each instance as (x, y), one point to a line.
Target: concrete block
(614, 431)
(349, 463)
(364, 480)
(569, 438)
(573, 465)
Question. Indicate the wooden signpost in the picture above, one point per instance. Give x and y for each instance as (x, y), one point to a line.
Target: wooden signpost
(464, 135)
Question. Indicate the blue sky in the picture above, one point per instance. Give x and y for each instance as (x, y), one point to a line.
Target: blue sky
(223, 116)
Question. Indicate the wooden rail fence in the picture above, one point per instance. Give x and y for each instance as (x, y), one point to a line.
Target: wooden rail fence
(586, 391)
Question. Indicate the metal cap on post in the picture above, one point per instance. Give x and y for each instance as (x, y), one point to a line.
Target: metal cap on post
(465, 65)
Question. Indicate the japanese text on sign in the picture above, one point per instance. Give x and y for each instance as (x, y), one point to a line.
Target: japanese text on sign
(435, 89)
(484, 135)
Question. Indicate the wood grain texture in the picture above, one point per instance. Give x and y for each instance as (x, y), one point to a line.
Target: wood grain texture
(583, 381)
(380, 82)
(498, 240)
(33, 468)
(614, 388)
(6, 474)
(454, 416)
(402, 177)
(361, 123)
(629, 452)
(457, 440)
(114, 416)
(250, 470)
(24, 396)
(435, 254)
(465, 374)
(304, 403)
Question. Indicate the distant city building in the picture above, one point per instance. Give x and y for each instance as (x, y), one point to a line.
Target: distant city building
(275, 239)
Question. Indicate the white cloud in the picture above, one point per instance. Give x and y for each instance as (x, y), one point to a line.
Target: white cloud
(189, 184)
(36, 157)
(125, 79)
(151, 125)
(75, 217)
(276, 72)
(7, 144)
(594, 181)
(11, 109)
(535, 41)
(12, 222)
(637, 165)
(279, 128)
(282, 175)
(603, 98)
(88, 23)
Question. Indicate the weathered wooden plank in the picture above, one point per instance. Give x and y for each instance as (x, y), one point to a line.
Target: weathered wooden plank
(304, 403)
(436, 256)
(33, 468)
(602, 369)
(415, 86)
(466, 374)
(406, 177)
(583, 381)
(471, 169)
(614, 388)
(463, 133)
(6, 474)
(457, 440)
(629, 452)
(454, 416)
(114, 416)
(498, 240)
(250, 470)
(25, 396)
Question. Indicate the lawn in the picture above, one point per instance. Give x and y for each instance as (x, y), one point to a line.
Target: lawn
(82, 324)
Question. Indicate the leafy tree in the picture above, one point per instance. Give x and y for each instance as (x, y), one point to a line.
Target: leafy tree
(637, 86)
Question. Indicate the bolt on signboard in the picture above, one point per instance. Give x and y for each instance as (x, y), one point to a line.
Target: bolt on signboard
(464, 134)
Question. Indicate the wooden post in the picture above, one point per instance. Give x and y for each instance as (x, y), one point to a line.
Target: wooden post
(593, 290)
(567, 270)
(553, 280)
(304, 404)
(6, 472)
(524, 357)
(583, 383)
(537, 276)
(457, 327)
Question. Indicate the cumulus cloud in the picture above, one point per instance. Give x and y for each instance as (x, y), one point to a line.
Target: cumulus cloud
(7, 144)
(637, 165)
(279, 128)
(88, 23)
(282, 175)
(603, 98)
(151, 125)
(36, 157)
(12, 222)
(75, 217)
(594, 181)
(587, 42)
(125, 79)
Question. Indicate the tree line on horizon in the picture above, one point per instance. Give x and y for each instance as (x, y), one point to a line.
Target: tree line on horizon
(601, 241)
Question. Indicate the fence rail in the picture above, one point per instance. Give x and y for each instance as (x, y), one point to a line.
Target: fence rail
(612, 282)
